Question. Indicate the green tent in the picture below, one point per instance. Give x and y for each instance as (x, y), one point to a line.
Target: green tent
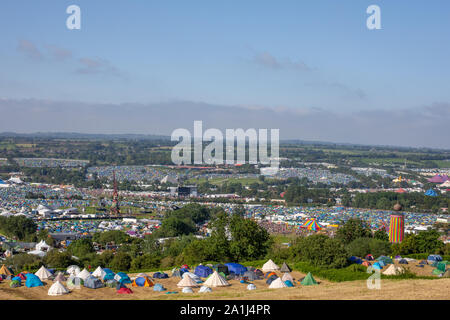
(308, 280)
(446, 274)
(442, 265)
(435, 264)
(437, 272)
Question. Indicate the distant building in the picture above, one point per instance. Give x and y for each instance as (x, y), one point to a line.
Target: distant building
(186, 191)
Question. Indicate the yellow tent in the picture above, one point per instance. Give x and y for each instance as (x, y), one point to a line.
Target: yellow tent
(4, 270)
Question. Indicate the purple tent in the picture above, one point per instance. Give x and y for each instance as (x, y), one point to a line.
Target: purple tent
(438, 179)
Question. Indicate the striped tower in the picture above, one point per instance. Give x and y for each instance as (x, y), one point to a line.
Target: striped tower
(396, 228)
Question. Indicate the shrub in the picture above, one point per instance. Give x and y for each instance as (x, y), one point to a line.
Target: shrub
(121, 261)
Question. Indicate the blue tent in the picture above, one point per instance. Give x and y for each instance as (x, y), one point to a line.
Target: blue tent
(160, 275)
(93, 283)
(271, 278)
(354, 259)
(17, 279)
(289, 283)
(376, 265)
(108, 276)
(124, 278)
(431, 193)
(203, 271)
(236, 268)
(2, 182)
(158, 287)
(33, 281)
(434, 257)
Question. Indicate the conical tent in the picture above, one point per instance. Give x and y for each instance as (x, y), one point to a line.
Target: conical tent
(84, 274)
(57, 289)
(277, 283)
(74, 282)
(5, 270)
(308, 280)
(270, 266)
(99, 273)
(285, 268)
(391, 270)
(73, 270)
(312, 224)
(60, 277)
(216, 280)
(43, 273)
(287, 276)
(187, 282)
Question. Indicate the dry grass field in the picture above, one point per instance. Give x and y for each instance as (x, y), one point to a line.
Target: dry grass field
(438, 289)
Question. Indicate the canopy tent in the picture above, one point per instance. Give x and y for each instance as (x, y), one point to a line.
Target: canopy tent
(43, 273)
(312, 224)
(270, 266)
(308, 280)
(216, 280)
(57, 289)
(277, 283)
(285, 268)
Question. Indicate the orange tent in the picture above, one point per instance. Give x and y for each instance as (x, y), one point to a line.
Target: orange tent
(142, 282)
(4, 270)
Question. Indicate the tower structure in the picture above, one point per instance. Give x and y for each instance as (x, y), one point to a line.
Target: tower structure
(397, 225)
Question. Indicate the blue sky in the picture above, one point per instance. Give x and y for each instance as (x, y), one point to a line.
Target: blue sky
(299, 55)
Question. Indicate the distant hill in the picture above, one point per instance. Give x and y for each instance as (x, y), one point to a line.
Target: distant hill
(87, 136)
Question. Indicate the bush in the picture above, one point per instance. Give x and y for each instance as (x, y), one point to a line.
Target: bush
(24, 262)
(121, 261)
(362, 246)
(145, 262)
(56, 259)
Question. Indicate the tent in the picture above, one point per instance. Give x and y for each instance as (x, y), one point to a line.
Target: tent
(277, 283)
(289, 283)
(43, 273)
(377, 266)
(271, 278)
(42, 246)
(285, 268)
(270, 266)
(437, 272)
(187, 281)
(6, 271)
(187, 290)
(159, 287)
(108, 276)
(442, 265)
(124, 290)
(287, 276)
(57, 289)
(185, 266)
(434, 257)
(392, 270)
(204, 289)
(122, 277)
(142, 282)
(193, 276)
(74, 282)
(216, 280)
(33, 281)
(17, 279)
(99, 273)
(250, 275)
(221, 268)
(369, 257)
(312, 224)
(366, 264)
(177, 273)
(75, 270)
(308, 280)
(403, 261)
(14, 284)
(446, 274)
(60, 277)
(21, 276)
(235, 268)
(251, 286)
(93, 283)
(385, 260)
(111, 283)
(259, 273)
(431, 193)
(203, 271)
(160, 275)
(84, 274)
(268, 274)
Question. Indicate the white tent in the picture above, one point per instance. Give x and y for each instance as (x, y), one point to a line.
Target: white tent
(15, 180)
(43, 273)
(73, 270)
(277, 283)
(392, 270)
(251, 286)
(187, 282)
(38, 253)
(42, 246)
(193, 276)
(287, 276)
(270, 266)
(187, 290)
(216, 280)
(84, 274)
(57, 289)
(446, 184)
(204, 289)
(99, 273)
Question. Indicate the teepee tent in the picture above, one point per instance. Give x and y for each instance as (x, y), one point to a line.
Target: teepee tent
(270, 266)
(99, 273)
(5, 270)
(57, 289)
(285, 268)
(277, 283)
(43, 273)
(187, 281)
(308, 280)
(73, 270)
(84, 274)
(392, 270)
(312, 224)
(216, 280)
(287, 276)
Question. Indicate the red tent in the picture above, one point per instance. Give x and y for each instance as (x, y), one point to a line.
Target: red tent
(401, 190)
(124, 291)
